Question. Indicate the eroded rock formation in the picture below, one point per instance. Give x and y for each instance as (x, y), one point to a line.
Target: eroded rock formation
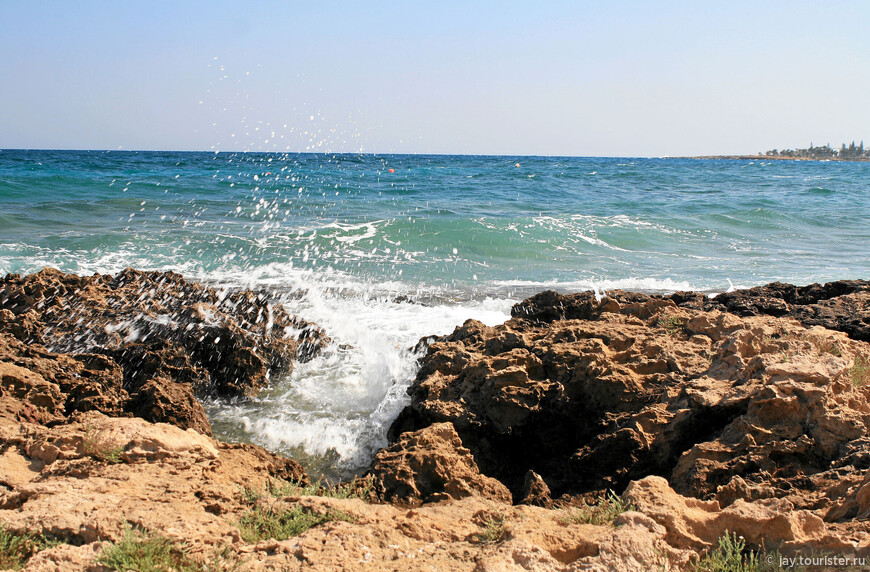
(430, 465)
(592, 395)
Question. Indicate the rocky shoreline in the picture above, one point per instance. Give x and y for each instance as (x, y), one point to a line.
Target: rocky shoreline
(630, 432)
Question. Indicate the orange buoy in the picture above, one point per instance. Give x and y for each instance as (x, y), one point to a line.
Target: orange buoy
(392, 170)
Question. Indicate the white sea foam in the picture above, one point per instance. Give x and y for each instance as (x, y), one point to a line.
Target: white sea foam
(333, 412)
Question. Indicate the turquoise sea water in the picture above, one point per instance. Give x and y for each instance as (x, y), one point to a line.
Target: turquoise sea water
(347, 243)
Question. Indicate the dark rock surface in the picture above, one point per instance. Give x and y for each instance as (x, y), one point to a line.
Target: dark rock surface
(144, 344)
(843, 305)
(159, 325)
(590, 395)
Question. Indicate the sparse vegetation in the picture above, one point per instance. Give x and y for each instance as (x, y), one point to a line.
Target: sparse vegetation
(827, 346)
(604, 512)
(141, 552)
(859, 373)
(673, 325)
(261, 523)
(17, 548)
(279, 488)
(99, 446)
(731, 555)
(223, 559)
(492, 530)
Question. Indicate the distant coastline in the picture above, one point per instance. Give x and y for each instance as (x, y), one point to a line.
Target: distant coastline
(776, 158)
(849, 152)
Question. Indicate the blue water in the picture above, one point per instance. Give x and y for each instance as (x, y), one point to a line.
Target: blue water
(341, 238)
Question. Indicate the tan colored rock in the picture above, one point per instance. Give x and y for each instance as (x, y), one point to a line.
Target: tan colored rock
(27, 395)
(637, 542)
(65, 557)
(697, 525)
(159, 478)
(758, 423)
(431, 464)
(592, 394)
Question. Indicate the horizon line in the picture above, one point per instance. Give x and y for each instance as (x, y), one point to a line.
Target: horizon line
(534, 155)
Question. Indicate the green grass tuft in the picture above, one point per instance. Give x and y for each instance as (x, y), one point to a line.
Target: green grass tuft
(673, 325)
(17, 548)
(98, 446)
(604, 512)
(493, 529)
(141, 552)
(279, 488)
(263, 523)
(731, 555)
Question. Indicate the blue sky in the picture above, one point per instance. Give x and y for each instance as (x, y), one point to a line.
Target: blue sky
(560, 78)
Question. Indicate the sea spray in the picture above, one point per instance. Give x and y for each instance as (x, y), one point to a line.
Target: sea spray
(333, 412)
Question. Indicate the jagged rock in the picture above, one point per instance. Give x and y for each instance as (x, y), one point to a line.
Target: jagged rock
(84, 481)
(163, 401)
(157, 324)
(535, 491)
(843, 305)
(430, 465)
(26, 395)
(141, 343)
(710, 421)
(639, 386)
(47, 388)
(192, 490)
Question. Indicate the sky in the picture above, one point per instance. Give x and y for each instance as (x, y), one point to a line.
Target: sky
(581, 78)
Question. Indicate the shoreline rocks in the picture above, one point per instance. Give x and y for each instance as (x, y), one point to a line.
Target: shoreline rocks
(147, 343)
(157, 324)
(747, 413)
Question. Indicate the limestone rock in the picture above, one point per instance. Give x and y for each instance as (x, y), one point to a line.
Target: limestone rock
(431, 464)
(695, 524)
(43, 387)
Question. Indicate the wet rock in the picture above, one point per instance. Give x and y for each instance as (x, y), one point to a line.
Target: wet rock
(48, 388)
(843, 305)
(157, 324)
(711, 423)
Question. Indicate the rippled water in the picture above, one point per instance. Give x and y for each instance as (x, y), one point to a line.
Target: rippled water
(381, 258)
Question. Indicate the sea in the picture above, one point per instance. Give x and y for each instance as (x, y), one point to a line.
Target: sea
(382, 250)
